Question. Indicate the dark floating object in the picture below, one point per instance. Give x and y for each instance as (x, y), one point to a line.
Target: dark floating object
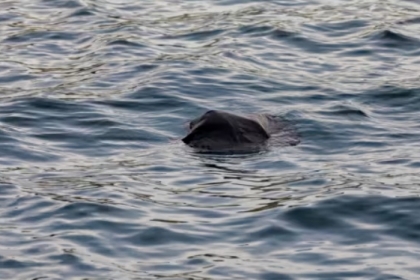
(218, 131)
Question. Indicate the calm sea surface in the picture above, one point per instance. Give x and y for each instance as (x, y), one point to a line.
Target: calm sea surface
(96, 184)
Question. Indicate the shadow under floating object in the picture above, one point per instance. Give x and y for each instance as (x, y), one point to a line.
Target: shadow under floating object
(218, 131)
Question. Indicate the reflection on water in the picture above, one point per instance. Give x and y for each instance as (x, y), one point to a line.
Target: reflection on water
(96, 184)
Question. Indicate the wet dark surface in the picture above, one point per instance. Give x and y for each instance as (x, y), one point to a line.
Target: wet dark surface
(96, 184)
(222, 132)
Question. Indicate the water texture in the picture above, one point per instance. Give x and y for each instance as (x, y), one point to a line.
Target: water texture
(95, 96)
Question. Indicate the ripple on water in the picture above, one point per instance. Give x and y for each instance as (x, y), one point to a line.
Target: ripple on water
(390, 39)
(95, 183)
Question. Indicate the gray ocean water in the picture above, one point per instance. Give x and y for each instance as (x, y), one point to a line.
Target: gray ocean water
(95, 96)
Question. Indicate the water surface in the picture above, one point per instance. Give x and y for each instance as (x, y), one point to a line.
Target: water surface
(95, 184)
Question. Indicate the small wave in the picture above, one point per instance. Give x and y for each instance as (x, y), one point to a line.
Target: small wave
(302, 41)
(34, 35)
(346, 110)
(196, 35)
(125, 42)
(393, 97)
(82, 12)
(163, 235)
(256, 30)
(394, 40)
